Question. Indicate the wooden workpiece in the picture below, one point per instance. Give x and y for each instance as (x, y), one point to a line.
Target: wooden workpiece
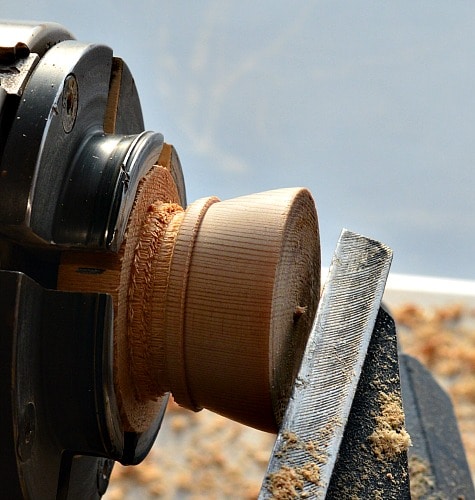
(213, 303)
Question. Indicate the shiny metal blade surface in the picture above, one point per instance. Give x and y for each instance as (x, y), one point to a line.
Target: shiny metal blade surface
(307, 445)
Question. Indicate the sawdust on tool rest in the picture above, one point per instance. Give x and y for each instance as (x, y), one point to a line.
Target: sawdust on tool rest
(389, 438)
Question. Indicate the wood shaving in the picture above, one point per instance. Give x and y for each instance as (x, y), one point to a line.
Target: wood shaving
(389, 438)
(288, 482)
(311, 472)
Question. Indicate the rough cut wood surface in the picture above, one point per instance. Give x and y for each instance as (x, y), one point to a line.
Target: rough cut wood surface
(113, 276)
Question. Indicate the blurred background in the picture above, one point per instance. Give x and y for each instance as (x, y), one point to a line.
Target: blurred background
(369, 104)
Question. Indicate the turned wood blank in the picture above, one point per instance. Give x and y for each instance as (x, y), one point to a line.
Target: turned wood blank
(213, 303)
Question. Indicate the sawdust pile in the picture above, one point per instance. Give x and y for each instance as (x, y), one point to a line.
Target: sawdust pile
(389, 438)
(443, 339)
(288, 482)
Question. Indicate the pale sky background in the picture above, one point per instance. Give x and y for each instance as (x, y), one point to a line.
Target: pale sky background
(369, 104)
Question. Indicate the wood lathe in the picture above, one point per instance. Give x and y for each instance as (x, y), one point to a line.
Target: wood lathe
(116, 293)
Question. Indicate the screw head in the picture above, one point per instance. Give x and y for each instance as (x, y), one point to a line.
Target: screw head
(69, 105)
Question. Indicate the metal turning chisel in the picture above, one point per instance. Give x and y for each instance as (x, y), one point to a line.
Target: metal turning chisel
(312, 429)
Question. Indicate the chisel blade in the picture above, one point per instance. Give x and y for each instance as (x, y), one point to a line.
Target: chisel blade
(308, 441)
